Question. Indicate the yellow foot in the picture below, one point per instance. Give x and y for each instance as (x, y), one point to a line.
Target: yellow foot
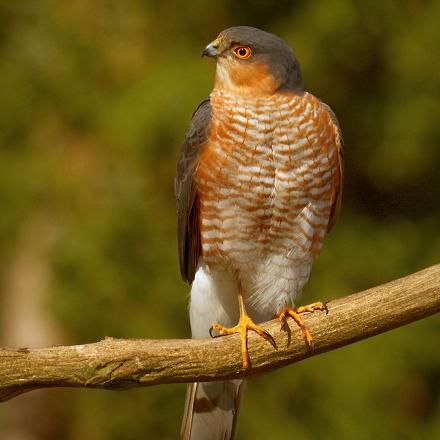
(294, 313)
(245, 323)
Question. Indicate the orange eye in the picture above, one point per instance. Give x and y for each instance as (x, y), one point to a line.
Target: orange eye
(242, 52)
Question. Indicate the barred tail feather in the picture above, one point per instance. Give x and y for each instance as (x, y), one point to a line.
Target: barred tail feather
(211, 410)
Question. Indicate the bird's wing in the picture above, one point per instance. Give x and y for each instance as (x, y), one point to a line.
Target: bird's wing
(338, 177)
(186, 193)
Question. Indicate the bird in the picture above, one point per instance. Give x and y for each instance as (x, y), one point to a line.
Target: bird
(258, 186)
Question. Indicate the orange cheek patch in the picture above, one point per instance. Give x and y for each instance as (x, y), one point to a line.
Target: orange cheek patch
(255, 77)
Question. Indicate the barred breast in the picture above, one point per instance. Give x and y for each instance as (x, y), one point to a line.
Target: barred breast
(266, 184)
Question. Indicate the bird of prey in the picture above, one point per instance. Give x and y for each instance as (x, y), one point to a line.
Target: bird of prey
(258, 186)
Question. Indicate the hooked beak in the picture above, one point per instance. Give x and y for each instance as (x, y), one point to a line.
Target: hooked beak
(211, 50)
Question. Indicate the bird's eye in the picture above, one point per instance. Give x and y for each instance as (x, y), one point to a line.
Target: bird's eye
(242, 52)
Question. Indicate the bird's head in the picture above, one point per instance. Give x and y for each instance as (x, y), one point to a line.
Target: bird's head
(253, 62)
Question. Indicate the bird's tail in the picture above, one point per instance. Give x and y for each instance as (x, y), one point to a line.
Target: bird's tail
(211, 410)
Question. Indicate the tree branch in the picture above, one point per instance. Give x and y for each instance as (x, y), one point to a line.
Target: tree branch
(120, 364)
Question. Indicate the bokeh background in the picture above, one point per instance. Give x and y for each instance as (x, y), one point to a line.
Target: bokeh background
(95, 97)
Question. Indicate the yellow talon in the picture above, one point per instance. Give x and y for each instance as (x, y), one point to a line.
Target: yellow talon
(245, 323)
(294, 314)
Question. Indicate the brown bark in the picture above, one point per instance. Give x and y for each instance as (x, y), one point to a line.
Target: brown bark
(119, 364)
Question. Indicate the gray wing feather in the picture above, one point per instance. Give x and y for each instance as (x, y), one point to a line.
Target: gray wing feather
(340, 146)
(188, 229)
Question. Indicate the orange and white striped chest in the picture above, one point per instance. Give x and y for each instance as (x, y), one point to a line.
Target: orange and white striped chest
(265, 179)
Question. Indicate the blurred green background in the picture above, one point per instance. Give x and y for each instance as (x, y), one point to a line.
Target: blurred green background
(95, 97)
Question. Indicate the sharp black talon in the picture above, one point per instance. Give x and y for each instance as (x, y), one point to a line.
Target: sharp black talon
(283, 324)
(210, 332)
(217, 336)
(271, 339)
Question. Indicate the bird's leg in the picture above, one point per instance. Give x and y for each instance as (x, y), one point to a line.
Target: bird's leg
(295, 312)
(245, 323)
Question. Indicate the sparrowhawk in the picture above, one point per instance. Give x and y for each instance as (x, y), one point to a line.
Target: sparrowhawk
(258, 187)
